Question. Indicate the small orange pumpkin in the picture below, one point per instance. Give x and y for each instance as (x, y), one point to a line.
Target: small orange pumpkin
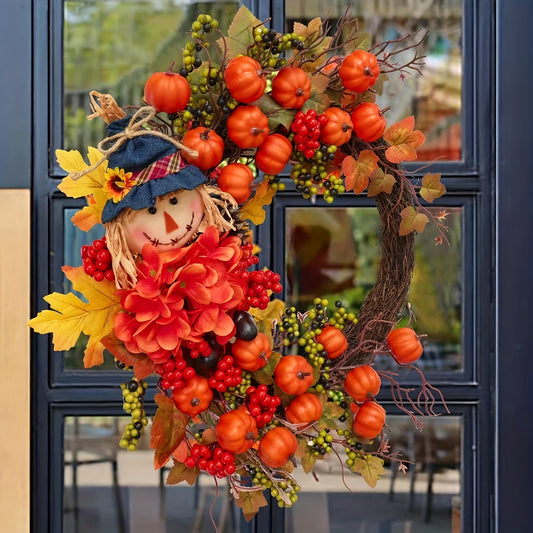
(276, 447)
(195, 397)
(368, 122)
(247, 126)
(252, 355)
(404, 345)
(167, 91)
(359, 71)
(273, 154)
(333, 340)
(245, 79)
(304, 409)
(362, 383)
(236, 431)
(293, 374)
(208, 144)
(338, 129)
(236, 179)
(369, 420)
(291, 87)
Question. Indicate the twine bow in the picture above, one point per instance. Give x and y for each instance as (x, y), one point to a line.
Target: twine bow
(134, 129)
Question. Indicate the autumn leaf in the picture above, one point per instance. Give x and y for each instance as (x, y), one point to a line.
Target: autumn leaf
(318, 98)
(330, 413)
(179, 472)
(264, 375)
(265, 318)
(412, 220)
(168, 429)
(142, 365)
(91, 214)
(69, 316)
(380, 182)
(250, 501)
(240, 34)
(72, 162)
(357, 173)
(432, 188)
(403, 140)
(276, 115)
(313, 29)
(253, 210)
(308, 460)
(370, 467)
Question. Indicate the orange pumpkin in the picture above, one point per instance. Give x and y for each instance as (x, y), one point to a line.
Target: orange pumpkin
(276, 447)
(245, 79)
(338, 128)
(252, 355)
(167, 91)
(236, 431)
(236, 179)
(247, 126)
(293, 374)
(304, 409)
(333, 340)
(404, 345)
(362, 383)
(273, 154)
(291, 87)
(359, 71)
(208, 144)
(195, 397)
(368, 122)
(369, 420)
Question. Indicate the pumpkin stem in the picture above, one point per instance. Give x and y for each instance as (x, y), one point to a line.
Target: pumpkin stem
(195, 402)
(256, 131)
(300, 92)
(345, 127)
(368, 71)
(170, 67)
(302, 375)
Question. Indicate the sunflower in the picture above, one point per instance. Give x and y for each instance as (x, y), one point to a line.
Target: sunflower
(118, 183)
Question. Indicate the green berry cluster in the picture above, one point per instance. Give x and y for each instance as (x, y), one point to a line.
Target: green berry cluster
(337, 397)
(203, 25)
(321, 443)
(312, 177)
(290, 326)
(268, 45)
(274, 182)
(133, 396)
(341, 316)
(285, 491)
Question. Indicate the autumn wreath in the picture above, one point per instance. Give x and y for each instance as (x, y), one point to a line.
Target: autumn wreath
(247, 387)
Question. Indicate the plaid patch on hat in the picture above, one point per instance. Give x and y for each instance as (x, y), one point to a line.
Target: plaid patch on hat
(169, 164)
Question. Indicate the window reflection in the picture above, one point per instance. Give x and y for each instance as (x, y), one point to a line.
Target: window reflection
(108, 489)
(427, 498)
(113, 47)
(335, 252)
(435, 96)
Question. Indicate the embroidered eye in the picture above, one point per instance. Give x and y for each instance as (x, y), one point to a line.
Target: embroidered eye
(173, 200)
(152, 210)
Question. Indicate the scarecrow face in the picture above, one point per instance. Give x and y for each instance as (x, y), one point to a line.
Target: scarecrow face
(171, 223)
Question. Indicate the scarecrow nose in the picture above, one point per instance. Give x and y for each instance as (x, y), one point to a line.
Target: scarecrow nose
(170, 223)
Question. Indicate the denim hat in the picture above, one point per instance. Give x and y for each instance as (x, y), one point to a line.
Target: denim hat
(156, 166)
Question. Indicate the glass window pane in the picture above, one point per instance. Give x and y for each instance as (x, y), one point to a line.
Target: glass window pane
(435, 96)
(427, 498)
(113, 47)
(108, 489)
(334, 253)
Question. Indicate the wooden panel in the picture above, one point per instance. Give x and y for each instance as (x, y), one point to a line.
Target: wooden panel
(15, 360)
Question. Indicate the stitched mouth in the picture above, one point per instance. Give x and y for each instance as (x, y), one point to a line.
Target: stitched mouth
(156, 242)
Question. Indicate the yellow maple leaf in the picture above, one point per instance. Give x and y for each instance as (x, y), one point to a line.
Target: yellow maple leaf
(253, 210)
(91, 214)
(380, 182)
(357, 173)
(432, 187)
(69, 316)
(72, 162)
(403, 140)
(412, 220)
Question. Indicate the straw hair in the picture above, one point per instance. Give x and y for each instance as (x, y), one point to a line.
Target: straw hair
(217, 212)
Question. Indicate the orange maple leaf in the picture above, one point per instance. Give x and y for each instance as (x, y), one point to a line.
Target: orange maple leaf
(403, 140)
(357, 173)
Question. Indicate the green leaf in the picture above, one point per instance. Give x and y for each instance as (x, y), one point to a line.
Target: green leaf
(361, 42)
(276, 114)
(168, 429)
(250, 502)
(240, 32)
(432, 188)
(179, 472)
(370, 467)
(264, 375)
(308, 460)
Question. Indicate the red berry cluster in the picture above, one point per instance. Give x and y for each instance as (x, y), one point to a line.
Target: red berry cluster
(174, 373)
(198, 348)
(217, 461)
(248, 258)
(306, 128)
(227, 375)
(261, 405)
(259, 283)
(97, 260)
